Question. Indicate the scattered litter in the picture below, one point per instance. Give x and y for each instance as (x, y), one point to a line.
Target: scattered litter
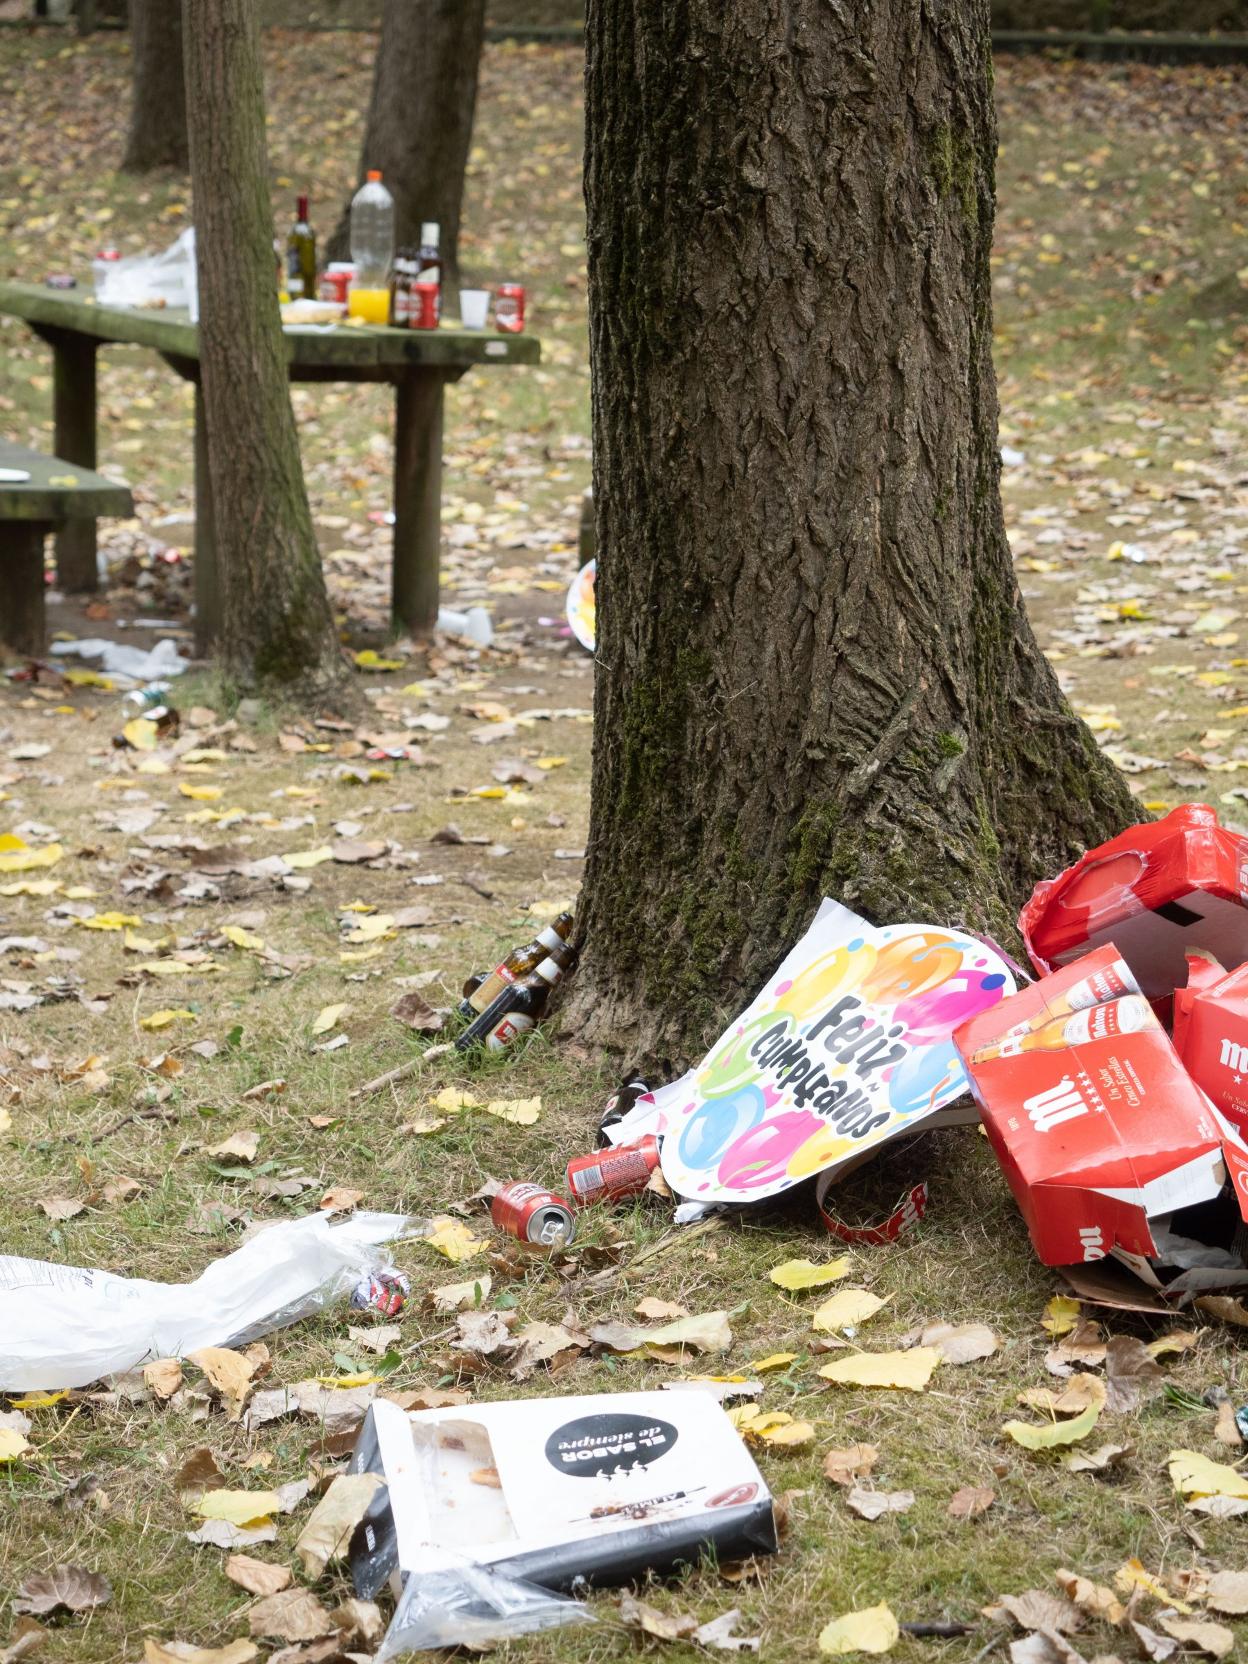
(131, 663)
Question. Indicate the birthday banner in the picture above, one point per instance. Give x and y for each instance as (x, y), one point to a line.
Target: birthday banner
(848, 1045)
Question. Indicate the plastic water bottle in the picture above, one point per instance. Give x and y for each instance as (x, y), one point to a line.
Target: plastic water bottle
(372, 248)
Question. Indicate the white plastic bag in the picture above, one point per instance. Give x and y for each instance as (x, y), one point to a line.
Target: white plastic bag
(133, 663)
(62, 1326)
(143, 278)
(472, 1606)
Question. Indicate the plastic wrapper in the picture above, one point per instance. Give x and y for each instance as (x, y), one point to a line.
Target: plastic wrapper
(472, 1605)
(167, 279)
(65, 1326)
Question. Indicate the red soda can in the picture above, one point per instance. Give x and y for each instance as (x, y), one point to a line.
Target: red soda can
(534, 1214)
(509, 308)
(424, 305)
(604, 1175)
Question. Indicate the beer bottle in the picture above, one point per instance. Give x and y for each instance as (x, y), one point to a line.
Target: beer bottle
(520, 1006)
(1128, 1015)
(518, 963)
(301, 255)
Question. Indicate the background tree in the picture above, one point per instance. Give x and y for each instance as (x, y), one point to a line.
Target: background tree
(276, 621)
(157, 137)
(419, 128)
(815, 671)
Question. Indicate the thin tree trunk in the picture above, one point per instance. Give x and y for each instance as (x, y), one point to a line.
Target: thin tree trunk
(420, 115)
(157, 137)
(277, 625)
(815, 673)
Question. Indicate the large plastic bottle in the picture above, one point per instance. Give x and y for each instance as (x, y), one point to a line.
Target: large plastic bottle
(372, 248)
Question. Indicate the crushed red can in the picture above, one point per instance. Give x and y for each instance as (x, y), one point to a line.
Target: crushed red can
(381, 1291)
(607, 1175)
(534, 1214)
(424, 305)
(509, 308)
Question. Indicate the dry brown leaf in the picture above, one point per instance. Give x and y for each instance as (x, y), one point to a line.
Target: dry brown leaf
(707, 1332)
(1082, 1393)
(1228, 1592)
(358, 1620)
(72, 1588)
(228, 1371)
(541, 1343)
(335, 1517)
(458, 1297)
(1093, 1598)
(258, 1577)
(61, 1208)
(242, 1146)
(25, 1638)
(1226, 1428)
(664, 1626)
(198, 1473)
(163, 1376)
(962, 1343)
(873, 1505)
(1201, 1633)
(241, 1651)
(656, 1311)
(1131, 1373)
(1038, 1609)
(1095, 1461)
(1156, 1647)
(340, 1198)
(483, 1333)
(414, 1011)
(290, 1615)
(971, 1501)
(221, 1534)
(1044, 1646)
(848, 1465)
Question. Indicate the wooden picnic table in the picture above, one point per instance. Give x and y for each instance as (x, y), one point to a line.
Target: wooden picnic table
(417, 363)
(57, 494)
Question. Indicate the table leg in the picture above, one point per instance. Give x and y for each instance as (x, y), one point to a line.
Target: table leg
(22, 621)
(73, 415)
(207, 585)
(417, 500)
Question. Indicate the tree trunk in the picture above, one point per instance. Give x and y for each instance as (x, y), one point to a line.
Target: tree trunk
(276, 622)
(815, 674)
(419, 127)
(157, 136)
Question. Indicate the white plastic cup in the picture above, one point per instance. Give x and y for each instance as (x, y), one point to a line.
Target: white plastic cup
(474, 307)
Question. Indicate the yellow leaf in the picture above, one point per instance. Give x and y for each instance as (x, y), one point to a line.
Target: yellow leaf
(453, 1239)
(140, 944)
(369, 659)
(153, 765)
(362, 1378)
(163, 1376)
(175, 967)
(848, 1306)
(796, 1275)
(241, 1651)
(141, 733)
(31, 887)
(25, 860)
(335, 1517)
(12, 1444)
(200, 794)
(242, 1508)
(6, 1120)
(551, 762)
(1132, 1575)
(775, 1360)
(874, 1629)
(1195, 1475)
(88, 679)
(788, 1431)
(38, 1400)
(1060, 1315)
(302, 858)
(1054, 1433)
(228, 1371)
(349, 958)
(327, 1018)
(910, 1370)
(109, 921)
(372, 929)
(451, 1099)
(521, 1112)
(164, 1019)
(242, 938)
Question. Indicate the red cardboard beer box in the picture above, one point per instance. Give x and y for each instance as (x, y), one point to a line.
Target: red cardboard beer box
(1211, 1035)
(1156, 891)
(1107, 1144)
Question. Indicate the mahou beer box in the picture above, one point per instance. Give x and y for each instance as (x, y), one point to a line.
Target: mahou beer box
(1211, 1035)
(601, 1487)
(1156, 891)
(1109, 1147)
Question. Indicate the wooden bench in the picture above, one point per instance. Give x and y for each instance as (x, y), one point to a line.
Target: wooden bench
(56, 493)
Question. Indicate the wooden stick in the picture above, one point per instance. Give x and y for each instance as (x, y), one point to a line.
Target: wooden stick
(401, 1073)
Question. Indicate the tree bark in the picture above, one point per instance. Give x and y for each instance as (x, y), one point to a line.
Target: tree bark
(815, 673)
(157, 137)
(276, 622)
(419, 128)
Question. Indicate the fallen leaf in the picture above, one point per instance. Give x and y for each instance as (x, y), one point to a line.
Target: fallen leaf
(872, 1505)
(290, 1615)
(1194, 1475)
(414, 1011)
(706, 1332)
(637, 1614)
(62, 1207)
(1046, 1646)
(453, 1239)
(1060, 1315)
(540, 1343)
(177, 1652)
(797, 1275)
(242, 938)
(327, 1018)
(163, 1376)
(971, 1501)
(1095, 1461)
(1226, 1428)
(1133, 1575)
(1205, 1636)
(520, 1112)
(654, 1311)
(961, 1343)
(454, 1297)
(873, 1629)
(72, 1587)
(12, 1444)
(221, 1534)
(1093, 1598)
(228, 1371)
(340, 1199)
(258, 1577)
(910, 1370)
(164, 1019)
(774, 1360)
(200, 794)
(854, 1462)
(335, 1517)
(1228, 1592)
(1081, 1392)
(847, 1307)
(241, 1508)
(718, 1635)
(1153, 1646)
(1131, 1373)
(1055, 1433)
(242, 1146)
(1038, 1609)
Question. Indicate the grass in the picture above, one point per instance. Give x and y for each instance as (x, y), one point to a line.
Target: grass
(1114, 344)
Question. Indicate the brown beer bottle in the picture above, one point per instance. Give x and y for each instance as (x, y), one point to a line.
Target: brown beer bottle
(520, 1006)
(518, 963)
